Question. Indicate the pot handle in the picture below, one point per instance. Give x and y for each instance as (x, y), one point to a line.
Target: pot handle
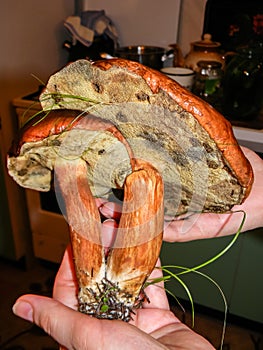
(106, 55)
(179, 60)
(168, 54)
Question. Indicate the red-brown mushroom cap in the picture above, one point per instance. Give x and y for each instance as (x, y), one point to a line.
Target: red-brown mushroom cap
(187, 140)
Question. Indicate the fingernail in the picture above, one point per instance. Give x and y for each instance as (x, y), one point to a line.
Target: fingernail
(24, 310)
(110, 221)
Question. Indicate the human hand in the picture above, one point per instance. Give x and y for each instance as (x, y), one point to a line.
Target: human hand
(153, 327)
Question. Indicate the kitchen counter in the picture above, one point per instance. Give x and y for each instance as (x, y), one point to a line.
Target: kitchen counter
(249, 132)
(251, 138)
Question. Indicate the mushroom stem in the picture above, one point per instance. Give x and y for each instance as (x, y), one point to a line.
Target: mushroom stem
(139, 238)
(84, 221)
(110, 287)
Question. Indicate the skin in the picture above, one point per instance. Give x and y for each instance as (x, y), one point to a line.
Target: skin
(154, 326)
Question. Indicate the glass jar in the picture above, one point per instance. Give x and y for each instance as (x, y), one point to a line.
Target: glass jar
(243, 84)
(207, 83)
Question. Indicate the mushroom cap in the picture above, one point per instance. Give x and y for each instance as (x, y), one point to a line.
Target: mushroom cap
(191, 145)
(68, 134)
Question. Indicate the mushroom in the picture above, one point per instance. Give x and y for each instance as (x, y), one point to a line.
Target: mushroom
(68, 145)
(167, 149)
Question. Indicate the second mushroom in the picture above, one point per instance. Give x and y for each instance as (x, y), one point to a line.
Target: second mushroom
(72, 148)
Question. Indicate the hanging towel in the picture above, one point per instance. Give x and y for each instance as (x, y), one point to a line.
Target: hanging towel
(90, 25)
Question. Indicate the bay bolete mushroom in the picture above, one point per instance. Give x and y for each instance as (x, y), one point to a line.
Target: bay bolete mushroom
(69, 144)
(118, 124)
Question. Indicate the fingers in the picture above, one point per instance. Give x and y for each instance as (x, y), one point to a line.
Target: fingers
(198, 226)
(108, 233)
(157, 310)
(205, 225)
(63, 324)
(110, 210)
(65, 286)
(179, 336)
(156, 292)
(76, 331)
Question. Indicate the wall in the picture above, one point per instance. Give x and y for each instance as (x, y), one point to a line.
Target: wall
(191, 23)
(161, 25)
(31, 43)
(32, 35)
(139, 22)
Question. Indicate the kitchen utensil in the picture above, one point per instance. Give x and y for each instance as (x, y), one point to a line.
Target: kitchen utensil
(151, 56)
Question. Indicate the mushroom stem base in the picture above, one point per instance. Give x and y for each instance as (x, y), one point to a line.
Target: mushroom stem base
(108, 302)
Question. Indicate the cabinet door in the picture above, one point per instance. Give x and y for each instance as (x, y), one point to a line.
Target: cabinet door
(246, 300)
(222, 271)
(6, 240)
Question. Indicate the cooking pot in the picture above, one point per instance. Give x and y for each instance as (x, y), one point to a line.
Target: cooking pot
(151, 56)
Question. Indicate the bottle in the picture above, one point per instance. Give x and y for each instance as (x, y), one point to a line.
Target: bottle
(207, 83)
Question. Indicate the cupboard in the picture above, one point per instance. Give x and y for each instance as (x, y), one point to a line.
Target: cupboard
(238, 273)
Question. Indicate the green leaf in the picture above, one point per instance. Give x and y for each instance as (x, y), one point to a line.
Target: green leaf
(104, 308)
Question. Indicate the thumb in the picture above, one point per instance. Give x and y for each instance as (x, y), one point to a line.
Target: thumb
(76, 331)
(68, 327)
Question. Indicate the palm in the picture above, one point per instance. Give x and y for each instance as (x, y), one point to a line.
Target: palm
(65, 291)
(154, 318)
(154, 326)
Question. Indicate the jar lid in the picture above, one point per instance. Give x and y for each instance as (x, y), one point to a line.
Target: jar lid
(207, 42)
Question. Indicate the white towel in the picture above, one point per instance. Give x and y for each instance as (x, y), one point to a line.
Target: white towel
(89, 25)
(78, 31)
